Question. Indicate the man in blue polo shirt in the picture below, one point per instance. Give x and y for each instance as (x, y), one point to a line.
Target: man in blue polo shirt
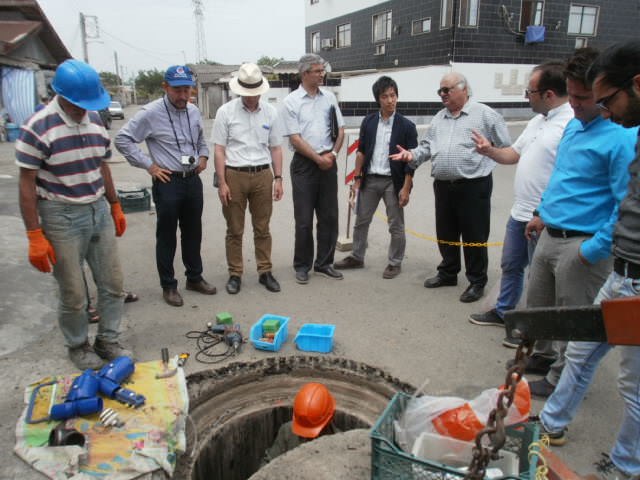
(575, 218)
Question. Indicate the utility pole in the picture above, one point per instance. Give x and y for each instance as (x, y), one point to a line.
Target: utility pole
(83, 33)
(115, 57)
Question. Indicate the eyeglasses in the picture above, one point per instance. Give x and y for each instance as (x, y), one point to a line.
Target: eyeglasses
(528, 92)
(602, 104)
(317, 71)
(446, 90)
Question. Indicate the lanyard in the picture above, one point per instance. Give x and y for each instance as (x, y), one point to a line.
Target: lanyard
(195, 152)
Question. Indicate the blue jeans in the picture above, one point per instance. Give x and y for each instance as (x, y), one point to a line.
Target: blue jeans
(80, 233)
(516, 255)
(582, 359)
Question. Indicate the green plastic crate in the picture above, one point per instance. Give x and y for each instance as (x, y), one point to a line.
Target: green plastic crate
(135, 200)
(389, 462)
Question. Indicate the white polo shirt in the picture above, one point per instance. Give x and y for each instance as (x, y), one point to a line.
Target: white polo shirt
(247, 136)
(537, 146)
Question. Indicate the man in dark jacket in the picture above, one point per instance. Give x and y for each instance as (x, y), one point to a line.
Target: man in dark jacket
(377, 177)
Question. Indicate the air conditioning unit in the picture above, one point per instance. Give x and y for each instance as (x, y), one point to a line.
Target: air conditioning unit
(327, 43)
(381, 49)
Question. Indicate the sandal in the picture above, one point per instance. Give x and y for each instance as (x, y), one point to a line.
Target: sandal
(130, 297)
(94, 316)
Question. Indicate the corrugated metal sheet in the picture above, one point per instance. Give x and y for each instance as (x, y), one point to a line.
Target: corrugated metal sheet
(18, 93)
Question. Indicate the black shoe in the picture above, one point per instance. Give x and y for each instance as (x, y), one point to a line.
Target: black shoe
(269, 282)
(473, 293)
(536, 365)
(511, 342)
(348, 263)
(233, 284)
(438, 281)
(489, 318)
(541, 388)
(302, 277)
(555, 439)
(328, 272)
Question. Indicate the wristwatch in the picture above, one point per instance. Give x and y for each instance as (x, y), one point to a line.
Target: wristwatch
(358, 177)
(536, 213)
(333, 152)
(276, 177)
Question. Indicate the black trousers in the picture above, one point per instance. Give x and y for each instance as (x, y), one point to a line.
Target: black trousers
(178, 202)
(463, 209)
(314, 190)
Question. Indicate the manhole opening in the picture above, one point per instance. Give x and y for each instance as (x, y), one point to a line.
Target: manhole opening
(238, 450)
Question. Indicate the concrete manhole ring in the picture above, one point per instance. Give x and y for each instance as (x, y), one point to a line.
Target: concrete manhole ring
(237, 409)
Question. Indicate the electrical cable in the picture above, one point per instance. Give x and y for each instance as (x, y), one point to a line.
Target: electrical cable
(205, 343)
(141, 50)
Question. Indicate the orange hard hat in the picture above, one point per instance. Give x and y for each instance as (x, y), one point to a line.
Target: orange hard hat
(313, 409)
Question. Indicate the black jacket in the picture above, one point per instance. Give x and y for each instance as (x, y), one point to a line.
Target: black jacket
(403, 133)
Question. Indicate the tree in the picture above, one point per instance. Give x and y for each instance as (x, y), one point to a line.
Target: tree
(271, 61)
(149, 82)
(208, 62)
(109, 79)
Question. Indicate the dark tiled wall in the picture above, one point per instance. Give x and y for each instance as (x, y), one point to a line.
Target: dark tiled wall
(491, 42)
(413, 109)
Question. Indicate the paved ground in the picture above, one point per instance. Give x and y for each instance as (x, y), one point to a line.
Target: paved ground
(398, 325)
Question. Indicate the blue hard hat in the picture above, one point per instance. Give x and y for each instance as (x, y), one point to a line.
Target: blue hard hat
(79, 83)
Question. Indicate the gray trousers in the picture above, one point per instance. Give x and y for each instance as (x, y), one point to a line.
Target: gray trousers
(377, 187)
(558, 278)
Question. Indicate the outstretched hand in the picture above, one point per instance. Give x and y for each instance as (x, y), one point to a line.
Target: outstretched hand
(482, 144)
(403, 155)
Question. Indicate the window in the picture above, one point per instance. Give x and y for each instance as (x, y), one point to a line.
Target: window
(469, 13)
(581, 42)
(314, 2)
(380, 49)
(531, 13)
(446, 12)
(381, 27)
(582, 20)
(421, 26)
(315, 42)
(343, 34)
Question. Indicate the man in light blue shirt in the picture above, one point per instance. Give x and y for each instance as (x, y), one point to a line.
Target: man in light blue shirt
(575, 218)
(307, 119)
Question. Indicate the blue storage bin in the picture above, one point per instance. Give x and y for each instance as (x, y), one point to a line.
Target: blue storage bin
(313, 337)
(13, 132)
(279, 339)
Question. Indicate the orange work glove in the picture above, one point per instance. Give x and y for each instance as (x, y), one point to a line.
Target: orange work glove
(118, 218)
(40, 251)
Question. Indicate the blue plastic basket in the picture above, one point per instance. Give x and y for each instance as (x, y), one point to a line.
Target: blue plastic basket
(279, 339)
(313, 337)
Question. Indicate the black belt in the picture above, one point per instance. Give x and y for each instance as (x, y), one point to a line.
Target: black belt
(378, 175)
(626, 269)
(558, 233)
(255, 169)
(464, 180)
(185, 174)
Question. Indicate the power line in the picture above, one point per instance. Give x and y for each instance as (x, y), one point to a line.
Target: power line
(141, 50)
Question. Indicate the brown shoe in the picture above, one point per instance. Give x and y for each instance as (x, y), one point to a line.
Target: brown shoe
(348, 262)
(201, 286)
(392, 271)
(172, 297)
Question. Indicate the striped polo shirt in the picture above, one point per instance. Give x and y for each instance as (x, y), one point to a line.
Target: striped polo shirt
(67, 155)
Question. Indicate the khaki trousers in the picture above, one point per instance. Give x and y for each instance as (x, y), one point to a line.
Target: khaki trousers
(256, 190)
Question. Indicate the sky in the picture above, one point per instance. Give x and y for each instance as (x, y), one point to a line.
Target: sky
(149, 34)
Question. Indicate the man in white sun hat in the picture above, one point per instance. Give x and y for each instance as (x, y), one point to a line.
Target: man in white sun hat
(247, 142)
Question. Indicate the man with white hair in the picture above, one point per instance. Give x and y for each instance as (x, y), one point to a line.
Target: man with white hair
(462, 182)
(247, 143)
(308, 116)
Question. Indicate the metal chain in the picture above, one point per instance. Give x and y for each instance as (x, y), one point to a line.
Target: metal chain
(494, 429)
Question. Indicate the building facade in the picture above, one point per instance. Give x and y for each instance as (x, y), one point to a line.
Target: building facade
(495, 43)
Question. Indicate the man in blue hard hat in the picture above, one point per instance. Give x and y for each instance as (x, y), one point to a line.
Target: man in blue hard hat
(65, 184)
(178, 153)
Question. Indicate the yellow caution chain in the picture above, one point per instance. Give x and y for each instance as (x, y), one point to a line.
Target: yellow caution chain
(445, 242)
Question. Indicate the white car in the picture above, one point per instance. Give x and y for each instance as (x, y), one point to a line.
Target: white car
(116, 111)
